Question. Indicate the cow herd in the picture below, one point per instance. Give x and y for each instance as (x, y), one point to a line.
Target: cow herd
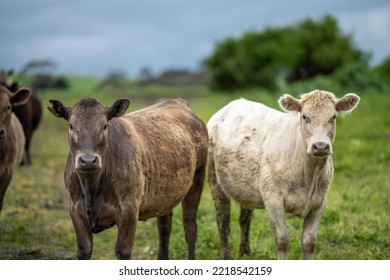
(122, 168)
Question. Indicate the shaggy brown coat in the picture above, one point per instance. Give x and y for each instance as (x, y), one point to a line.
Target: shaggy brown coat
(122, 169)
(11, 136)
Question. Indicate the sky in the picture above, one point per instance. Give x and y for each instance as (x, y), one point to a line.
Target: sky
(89, 37)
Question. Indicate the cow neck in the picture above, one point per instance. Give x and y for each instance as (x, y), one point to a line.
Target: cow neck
(2, 152)
(90, 184)
(313, 171)
(6, 152)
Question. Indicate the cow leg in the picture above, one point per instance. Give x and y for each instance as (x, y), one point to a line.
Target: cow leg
(28, 134)
(27, 156)
(309, 233)
(164, 225)
(127, 224)
(222, 205)
(190, 206)
(83, 235)
(3, 188)
(245, 223)
(277, 217)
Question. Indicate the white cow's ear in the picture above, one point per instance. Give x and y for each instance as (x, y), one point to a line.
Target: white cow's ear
(289, 103)
(347, 103)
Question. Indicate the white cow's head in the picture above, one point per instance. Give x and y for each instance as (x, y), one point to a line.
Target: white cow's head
(318, 110)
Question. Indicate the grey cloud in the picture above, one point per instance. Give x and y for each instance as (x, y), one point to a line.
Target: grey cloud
(90, 37)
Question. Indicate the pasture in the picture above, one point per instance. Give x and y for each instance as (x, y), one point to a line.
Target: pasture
(35, 224)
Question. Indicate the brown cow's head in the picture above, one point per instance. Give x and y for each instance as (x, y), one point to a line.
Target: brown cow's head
(318, 110)
(88, 124)
(7, 101)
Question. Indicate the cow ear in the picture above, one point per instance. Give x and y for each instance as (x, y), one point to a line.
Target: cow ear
(13, 87)
(20, 97)
(347, 103)
(118, 108)
(58, 109)
(289, 103)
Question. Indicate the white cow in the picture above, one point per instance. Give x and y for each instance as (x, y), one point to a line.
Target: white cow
(264, 158)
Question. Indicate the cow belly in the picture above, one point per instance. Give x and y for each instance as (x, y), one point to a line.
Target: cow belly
(161, 200)
(239, 181)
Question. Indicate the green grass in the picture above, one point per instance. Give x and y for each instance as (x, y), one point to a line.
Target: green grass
(35, 223)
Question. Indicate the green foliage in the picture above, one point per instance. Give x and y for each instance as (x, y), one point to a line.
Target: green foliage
(296, 52)
(35, 223)
(323, 48)
(250, 61)
(383, 70)
(354, 77)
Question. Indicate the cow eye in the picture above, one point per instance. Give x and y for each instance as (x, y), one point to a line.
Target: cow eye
(105, 127)
(70, 127)
(306, 118)
(332, 119)
(9, 108)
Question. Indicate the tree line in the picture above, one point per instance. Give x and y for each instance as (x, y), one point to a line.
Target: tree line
(300, 52)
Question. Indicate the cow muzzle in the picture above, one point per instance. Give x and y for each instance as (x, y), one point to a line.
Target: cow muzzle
(321, 149)
(88, 163)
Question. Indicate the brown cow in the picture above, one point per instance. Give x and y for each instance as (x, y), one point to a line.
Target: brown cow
(122, 169)
(11, 136)
(29, 114)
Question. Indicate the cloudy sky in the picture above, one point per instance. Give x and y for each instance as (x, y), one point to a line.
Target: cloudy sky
(94, 37)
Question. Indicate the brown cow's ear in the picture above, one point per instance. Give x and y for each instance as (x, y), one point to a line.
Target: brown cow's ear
(289, 103)
(118, 108)
(347, 103)
(20, 97)
(58, 109)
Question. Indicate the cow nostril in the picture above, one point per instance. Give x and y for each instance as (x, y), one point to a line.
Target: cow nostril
(326, 148)
(81, 160)
(2, 133)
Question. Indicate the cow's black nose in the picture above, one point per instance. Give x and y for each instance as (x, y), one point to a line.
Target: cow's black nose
(320, 149)
(89, 162)
(2, 134)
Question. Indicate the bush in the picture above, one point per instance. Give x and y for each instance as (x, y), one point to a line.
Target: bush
(353, 77)
(60, 83)
(298, 52)
(383, 70)
(44, 81)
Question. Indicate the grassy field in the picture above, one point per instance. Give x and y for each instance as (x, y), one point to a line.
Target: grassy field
(35, 224)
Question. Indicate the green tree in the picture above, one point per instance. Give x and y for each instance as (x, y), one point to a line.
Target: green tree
(383, 69)
(297, 52)
(322, 48)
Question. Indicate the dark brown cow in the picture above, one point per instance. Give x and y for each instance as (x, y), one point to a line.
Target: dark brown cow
(29, 114)
(122, 169)
(11, 136)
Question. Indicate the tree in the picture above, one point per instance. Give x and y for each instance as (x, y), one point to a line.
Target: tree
(38, 66)
(115, 79)
(383, 70)
(322, 48)
(301, 51)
